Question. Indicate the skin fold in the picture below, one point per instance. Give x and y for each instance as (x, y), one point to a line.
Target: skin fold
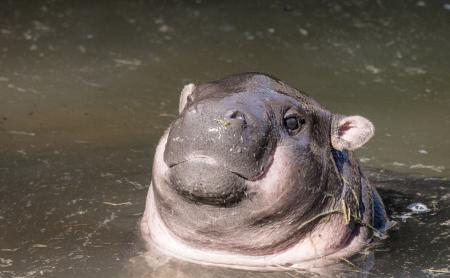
(254, 174)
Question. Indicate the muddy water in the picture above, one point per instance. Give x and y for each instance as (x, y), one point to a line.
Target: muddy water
(87, 89)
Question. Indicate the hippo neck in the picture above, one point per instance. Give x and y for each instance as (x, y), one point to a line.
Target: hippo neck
(228, 228)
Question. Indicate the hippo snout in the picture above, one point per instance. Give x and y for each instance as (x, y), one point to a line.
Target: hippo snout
(214, 146)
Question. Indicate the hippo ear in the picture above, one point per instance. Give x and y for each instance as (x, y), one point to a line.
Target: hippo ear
(185, 96)
(350, 132)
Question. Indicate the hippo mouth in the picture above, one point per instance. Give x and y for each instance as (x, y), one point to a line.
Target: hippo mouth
(207, 160)
(201, 179)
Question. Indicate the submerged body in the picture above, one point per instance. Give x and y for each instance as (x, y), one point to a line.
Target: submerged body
(254, 174)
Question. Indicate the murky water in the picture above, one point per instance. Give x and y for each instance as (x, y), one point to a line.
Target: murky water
(86, 90)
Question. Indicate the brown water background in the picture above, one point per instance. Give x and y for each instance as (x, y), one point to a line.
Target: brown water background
(87, 88)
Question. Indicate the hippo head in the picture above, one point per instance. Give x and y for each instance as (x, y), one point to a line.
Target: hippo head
(252, 168)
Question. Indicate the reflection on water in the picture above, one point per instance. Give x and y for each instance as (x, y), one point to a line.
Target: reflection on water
(86, 90)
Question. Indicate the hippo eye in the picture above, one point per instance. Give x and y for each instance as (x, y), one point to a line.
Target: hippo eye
(293, 123)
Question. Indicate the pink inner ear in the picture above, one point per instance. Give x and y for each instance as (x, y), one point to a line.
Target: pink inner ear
(353, 132)
(344, 127)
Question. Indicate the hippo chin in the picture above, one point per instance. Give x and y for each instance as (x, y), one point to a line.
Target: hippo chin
(253, 174)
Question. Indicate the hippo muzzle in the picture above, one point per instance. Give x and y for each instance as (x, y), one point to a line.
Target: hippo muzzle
(255, 174)
(215, 145)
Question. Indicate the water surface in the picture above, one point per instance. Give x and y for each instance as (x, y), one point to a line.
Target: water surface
(86, 90)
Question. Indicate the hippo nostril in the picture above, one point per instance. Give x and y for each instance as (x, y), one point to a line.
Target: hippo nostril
(235, 115)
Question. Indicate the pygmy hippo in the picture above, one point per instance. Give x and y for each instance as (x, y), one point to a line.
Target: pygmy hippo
(254, 174)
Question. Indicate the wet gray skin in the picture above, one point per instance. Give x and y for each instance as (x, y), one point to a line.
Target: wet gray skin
(220, 151)
(87, 89)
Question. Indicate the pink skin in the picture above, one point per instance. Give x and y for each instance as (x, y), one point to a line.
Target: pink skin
(328, 242)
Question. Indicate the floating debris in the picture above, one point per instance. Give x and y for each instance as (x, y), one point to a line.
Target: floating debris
(418, 208)
(9, 249)
(421, 4)
(438, 271)
(164, 28)
(364, 159)
(249, 36)
(136, 184)
(41, 26)
(82, 49)
(446, 223)
(438, 169)
(16, 132)
(415, 71)
(37, 245)
(403, 217)
(106, 175)
(132, 62)
(167, 115)
(5, 32)
(109, 219)
(373, 69)
(5, 262)
(22, 152)
(415, 208)
(303, 32)
(118, 204)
